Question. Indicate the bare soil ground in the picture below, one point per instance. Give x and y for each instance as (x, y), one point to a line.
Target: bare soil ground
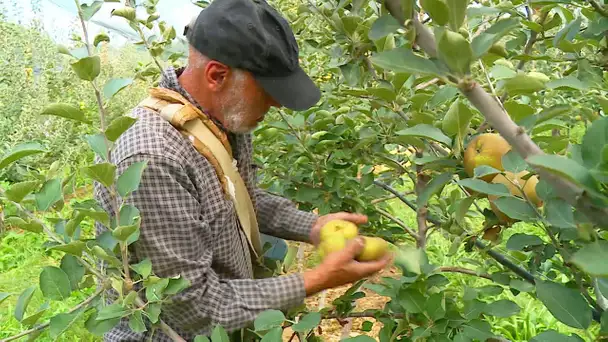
(331, 330)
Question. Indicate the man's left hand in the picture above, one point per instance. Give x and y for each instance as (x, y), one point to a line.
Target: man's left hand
(315, 232)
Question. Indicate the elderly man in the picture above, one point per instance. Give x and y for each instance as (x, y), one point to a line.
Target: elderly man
(243, 60)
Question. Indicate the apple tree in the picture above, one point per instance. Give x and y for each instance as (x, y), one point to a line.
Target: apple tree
(479, 118)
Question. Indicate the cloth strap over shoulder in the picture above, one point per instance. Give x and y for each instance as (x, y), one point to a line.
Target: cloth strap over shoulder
(212, 143)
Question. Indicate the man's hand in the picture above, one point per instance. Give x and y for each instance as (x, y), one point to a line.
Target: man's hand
(340, 268)
(315, 232)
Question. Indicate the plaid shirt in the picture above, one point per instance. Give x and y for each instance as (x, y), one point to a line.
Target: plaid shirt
(189, 228)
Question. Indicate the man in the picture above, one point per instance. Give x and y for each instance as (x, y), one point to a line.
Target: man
(243, 60)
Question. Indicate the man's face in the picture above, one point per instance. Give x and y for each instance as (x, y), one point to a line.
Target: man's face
(244, 103)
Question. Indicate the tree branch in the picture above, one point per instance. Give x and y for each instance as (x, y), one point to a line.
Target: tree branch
(464, 271)
(398, 222)
(502, 122)
(421, 213)
(45, 325)
(501, 259)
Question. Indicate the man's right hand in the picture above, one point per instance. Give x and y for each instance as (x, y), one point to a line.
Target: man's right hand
(340, 268)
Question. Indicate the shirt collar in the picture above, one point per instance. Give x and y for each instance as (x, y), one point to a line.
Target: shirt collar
(170, 80)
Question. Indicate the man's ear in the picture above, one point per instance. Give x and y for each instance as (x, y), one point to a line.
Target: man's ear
(216, 75)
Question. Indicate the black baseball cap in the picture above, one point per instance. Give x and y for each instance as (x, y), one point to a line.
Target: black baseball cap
(253, 36)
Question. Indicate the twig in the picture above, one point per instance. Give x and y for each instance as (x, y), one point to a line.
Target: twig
(421, 183)
(370, 67)
(398, 222)
(464, 271)
(102, 119)
(45, 325)
(599, 8)
(501, 259)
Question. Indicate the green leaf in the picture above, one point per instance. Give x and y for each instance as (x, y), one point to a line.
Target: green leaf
(565, 304)
(477, 329)
(113, 86)
(604, 323)
(65, 110)
(29, 321)
(435, 306)
(60, 323)
(20, 151)
(74, 247)
(307, 322)
(484, 170)
(403, 60)
(454, 50)
(31, 226)
(523, 84)
(101, 37)
(565, 167)
(23, 301)
(50, 193)
(275, 334)
(123, 233)
(268, 319)
(437, 10)
(88, 11)
(513, 162)
(487, 188)
(591, 258)
(594, 139)
(98, 144)
(426, 131)
(516, 208)
(176, 285)
(502, 308)
(457, 11)
(4, 296)
(219, 334)
(136, 322)
(433, 187)
(500, 71)
(112, 311)
(484, 41)
(567, 83)
(129, 180)
(553, 336)
(99, 328)
(143, 268)
(87, 68)
(104, 173)
(559, 213)
(54, 283)
(18, 191)
(521, 285)
(568, 32)
(519, 241)
(201, 338)
(383, 26)
(411, 300)
(73, 268)
(457, 119)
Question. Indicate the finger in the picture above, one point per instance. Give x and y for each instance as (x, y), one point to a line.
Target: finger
(371, 267)
(353, 217)
(352, 248)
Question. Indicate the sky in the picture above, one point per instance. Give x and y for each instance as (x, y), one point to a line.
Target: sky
(59, 16)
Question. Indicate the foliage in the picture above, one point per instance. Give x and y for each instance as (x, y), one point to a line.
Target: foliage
(404, 95)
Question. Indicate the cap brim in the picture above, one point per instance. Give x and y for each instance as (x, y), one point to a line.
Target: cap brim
(296, 91)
